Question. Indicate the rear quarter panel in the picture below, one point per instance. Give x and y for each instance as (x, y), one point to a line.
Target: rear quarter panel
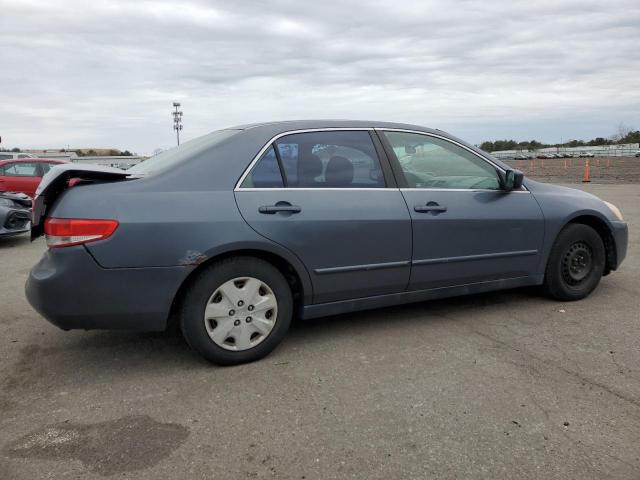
(166, 228)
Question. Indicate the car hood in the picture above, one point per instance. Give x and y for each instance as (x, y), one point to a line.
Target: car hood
(550, 188)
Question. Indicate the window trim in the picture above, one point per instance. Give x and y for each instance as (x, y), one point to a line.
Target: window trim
(397, 169)
(382, 160)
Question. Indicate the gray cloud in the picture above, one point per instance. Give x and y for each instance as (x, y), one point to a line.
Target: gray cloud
(104, 73)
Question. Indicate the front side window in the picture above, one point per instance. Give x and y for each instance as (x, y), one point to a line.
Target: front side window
(21, 169)
(265, 173)
(431, 162)
(5, 156)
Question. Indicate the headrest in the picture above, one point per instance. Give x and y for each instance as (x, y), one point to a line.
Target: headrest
(339, 172)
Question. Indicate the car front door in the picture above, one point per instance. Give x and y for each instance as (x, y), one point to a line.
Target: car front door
(20, 177)
(465, 228)
(324, 196)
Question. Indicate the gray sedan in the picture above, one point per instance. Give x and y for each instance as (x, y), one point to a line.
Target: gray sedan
(236, 233)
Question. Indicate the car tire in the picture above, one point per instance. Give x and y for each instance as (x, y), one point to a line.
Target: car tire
(217, 318)
(576, 263)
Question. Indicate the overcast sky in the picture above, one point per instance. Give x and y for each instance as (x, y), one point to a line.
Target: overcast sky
(96, 73)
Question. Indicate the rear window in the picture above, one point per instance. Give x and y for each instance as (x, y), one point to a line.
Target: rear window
(171, 158)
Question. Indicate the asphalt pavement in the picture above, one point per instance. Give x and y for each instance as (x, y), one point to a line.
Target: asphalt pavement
(502, 385)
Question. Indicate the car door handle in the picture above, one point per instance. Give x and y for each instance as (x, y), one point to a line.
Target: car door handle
(279, 207)
(431, 207)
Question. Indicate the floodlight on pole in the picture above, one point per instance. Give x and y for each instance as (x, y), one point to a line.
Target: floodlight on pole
(177, 120)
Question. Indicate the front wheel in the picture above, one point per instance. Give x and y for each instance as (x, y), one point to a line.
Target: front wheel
(576, 263)
(237, 310)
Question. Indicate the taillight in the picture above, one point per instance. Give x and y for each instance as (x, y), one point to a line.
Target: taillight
(64, 232)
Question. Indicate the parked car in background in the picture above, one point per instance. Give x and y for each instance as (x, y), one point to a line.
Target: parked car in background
(24, 174)
(237, 232)
(638, 154)
(586, 155)
(13, 155)
(15, 213)
(566, 155)
(520, 157)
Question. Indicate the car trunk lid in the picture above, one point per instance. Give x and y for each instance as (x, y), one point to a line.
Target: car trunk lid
(60, 178)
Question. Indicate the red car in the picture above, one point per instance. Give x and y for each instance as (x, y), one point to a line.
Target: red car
(24, 174)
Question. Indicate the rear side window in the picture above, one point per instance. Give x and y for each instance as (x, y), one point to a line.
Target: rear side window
(333, 159)
(5, 156)
(21, 169)
(265, 173)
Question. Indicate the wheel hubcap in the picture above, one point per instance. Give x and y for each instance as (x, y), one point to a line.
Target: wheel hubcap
(577, 263)
(227, 318)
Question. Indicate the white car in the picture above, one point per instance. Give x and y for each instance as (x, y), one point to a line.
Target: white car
(586, 155)
(14, 155)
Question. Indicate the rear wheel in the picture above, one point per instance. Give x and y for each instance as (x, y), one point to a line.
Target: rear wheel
(576, 263)
(237, 310)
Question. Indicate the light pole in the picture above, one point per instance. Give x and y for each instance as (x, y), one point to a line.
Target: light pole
(177, 121)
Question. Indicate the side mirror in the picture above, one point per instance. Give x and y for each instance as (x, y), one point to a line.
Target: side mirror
(512, 180)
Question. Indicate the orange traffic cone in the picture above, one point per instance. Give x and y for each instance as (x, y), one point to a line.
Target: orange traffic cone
(565, 163)
(608, 162)
(586, 179)
(533, 166)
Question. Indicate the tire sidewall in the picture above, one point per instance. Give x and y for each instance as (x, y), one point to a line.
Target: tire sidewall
(205, 284)
(555, 283)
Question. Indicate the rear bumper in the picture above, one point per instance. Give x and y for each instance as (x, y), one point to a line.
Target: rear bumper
(70, 290)
(621, 239)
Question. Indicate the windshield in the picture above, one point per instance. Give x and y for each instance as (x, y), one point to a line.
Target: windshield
(170, 158)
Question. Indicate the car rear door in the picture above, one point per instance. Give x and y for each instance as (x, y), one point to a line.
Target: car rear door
(326, 196)
(465, 228)
(20, 177)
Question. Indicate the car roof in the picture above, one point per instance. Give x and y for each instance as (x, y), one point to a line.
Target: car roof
(289, 125)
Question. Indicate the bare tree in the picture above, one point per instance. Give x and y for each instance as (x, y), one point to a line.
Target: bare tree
(622, 131)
